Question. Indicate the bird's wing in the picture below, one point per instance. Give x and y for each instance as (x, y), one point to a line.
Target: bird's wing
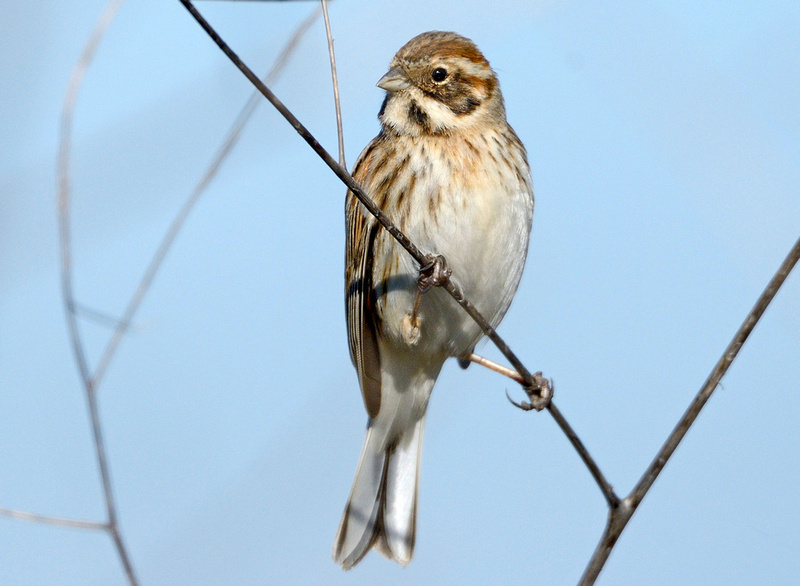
(361, 229)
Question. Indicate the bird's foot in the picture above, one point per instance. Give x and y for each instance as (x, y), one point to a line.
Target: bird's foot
(435, 273)
(540, 394)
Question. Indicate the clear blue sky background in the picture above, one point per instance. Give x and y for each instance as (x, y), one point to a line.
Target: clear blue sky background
(665, 146)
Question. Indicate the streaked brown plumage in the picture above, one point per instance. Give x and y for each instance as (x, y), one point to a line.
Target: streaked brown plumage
(452, 174)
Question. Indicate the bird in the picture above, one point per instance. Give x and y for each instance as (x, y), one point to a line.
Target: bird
(451, 173)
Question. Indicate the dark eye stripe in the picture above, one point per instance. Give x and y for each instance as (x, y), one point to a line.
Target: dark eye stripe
(460, 94)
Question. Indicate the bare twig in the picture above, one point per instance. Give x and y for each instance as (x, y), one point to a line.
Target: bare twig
(335, 81)
(532, 386)
(66, 277)
(49, 520)
(605, 486)
(99, 317)
(72, 309)
(618, 517)
(175, 227)
(338, 170)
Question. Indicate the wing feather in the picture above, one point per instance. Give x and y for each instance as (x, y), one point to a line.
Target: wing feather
(361, 230)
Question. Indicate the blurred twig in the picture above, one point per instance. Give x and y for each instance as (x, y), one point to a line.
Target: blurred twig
(48, 520)
(180, 219)
(91, 380)
(112, 525)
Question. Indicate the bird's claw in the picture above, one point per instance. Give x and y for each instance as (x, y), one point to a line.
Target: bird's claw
(540, 394)
(435, 273)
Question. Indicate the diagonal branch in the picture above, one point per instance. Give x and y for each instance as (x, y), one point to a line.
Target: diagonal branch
(619, 516)
(605, 486)
(338, 170)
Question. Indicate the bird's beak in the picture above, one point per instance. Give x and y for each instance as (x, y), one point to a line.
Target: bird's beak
(394, 80)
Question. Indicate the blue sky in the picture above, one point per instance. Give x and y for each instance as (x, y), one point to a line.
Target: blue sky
(664, 141)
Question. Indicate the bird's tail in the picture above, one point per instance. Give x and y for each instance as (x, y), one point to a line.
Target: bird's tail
(382, 509)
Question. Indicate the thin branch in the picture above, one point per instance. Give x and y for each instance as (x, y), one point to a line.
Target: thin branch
(49, 520)
(99, 317)
(605, 487)
(338, 170)
(534, 385)
(335, 81)
(91, 381)
(64, 183)
(175, 227)
(619, 517)
(66, 276)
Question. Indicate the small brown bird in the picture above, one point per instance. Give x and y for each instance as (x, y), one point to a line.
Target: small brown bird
(452, 174)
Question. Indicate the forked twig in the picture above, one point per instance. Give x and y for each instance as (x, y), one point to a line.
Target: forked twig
(111, 525)
(73, 310)
(618, 517)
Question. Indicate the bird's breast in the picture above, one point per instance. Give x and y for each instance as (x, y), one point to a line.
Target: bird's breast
(472, 205)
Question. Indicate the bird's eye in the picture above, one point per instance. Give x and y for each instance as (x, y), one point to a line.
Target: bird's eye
(439, 75)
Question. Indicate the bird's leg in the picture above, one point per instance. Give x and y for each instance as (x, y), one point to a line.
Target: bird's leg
(410, 326)
(414, 317)
(504, 370)
(540, 393)
(434, 273)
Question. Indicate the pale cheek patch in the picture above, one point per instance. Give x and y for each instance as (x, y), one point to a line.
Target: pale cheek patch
(438, 118)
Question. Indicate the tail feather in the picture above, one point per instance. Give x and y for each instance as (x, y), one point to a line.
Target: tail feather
(400, 496)
(356, 532)
(382, 508)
